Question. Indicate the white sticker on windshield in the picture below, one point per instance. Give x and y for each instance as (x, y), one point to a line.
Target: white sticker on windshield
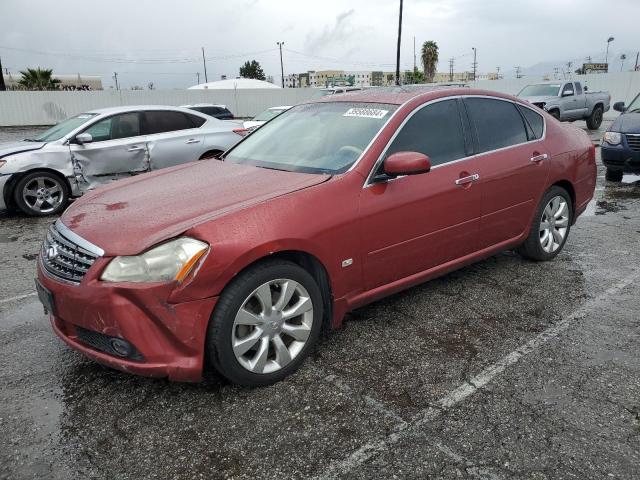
(366, 113)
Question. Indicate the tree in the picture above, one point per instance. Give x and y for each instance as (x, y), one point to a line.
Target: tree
(38, 79)
(429, 57)
(414, 77)
(252, 70)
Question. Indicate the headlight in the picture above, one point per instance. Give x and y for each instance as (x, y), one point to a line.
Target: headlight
(612, 138)
(2, 163)
(170, 261)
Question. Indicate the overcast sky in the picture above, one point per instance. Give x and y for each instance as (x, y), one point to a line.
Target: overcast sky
(160, 40)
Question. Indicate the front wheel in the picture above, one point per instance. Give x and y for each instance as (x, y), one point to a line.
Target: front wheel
(265, 323)
(41, 193)
(550, 227)
(595, 119)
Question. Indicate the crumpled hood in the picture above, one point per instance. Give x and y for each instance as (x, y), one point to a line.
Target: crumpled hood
(539, 99)
(626, 123)
(128, 216)
(19, 147)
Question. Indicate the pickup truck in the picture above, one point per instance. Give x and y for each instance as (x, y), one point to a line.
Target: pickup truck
(568, 101)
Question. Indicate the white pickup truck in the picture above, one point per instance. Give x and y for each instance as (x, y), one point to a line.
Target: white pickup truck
(568, 101)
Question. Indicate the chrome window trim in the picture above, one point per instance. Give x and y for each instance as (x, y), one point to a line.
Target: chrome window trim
(77, 239)
(368, 183)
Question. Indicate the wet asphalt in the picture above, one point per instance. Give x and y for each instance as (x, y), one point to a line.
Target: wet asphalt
(504, 369)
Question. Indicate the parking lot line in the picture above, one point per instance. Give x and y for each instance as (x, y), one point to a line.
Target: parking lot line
(17, 297)
(468, 388)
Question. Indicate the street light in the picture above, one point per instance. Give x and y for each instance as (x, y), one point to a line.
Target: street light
(606, 56)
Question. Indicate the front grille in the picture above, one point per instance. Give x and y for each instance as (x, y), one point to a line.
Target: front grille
(634, 142)
(63, 259)
(100, 341)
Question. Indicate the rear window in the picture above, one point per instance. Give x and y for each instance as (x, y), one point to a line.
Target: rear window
(196, 121)
(166, 121)
(497, 123)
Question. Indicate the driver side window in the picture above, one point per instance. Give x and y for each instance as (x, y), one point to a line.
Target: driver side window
(119, 126)
(435, 130)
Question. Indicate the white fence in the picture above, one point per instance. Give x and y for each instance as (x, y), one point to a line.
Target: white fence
(48, 108)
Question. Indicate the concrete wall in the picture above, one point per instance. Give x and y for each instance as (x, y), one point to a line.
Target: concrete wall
(48, 108)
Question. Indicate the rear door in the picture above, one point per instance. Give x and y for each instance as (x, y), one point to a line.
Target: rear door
(417, 222)
(512, 162)
(173, 137)
(118, 150)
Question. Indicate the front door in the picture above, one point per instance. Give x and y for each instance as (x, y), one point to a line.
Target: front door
(117, 150)
(413, 223)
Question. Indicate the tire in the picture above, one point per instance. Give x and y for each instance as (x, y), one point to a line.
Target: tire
(211, 154)
(238, 319)
(544, 244)
(39, 194)
(555, 114)
(613, 175)
(595, 119)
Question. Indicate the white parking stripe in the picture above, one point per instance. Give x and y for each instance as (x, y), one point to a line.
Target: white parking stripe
(17, 297)
(465, 390)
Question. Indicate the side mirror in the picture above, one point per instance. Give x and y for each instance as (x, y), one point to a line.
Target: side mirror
(567, 93)
(83, 138)
(619, 107)
(406, 163)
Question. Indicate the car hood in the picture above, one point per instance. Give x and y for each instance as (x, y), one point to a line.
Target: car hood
(129, 216)
(626, 123)
(19, 147)
(539, 99)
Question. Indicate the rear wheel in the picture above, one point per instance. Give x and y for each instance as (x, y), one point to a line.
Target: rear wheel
(595, 119)
(550, 227)
(41, 193)
(265, 323)
(614, 175)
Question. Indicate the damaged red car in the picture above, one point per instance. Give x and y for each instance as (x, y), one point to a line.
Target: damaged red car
(239, 264)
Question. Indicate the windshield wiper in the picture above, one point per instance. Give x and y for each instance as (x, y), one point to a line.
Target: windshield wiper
(31, 140)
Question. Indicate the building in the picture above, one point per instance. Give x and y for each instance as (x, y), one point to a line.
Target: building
(67, 82)
(359, 78)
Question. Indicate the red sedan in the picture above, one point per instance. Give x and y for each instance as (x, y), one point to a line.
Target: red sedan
(239, 264)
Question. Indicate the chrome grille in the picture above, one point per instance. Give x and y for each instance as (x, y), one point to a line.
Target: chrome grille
(634, 142)
(64, 259)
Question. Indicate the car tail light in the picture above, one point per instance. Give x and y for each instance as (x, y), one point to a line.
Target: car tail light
(243, 132)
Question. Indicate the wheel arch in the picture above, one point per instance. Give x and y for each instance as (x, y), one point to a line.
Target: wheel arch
(568, 186)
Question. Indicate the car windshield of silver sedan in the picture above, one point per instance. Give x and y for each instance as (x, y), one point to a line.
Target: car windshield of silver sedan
(63, 128)
(314, 138)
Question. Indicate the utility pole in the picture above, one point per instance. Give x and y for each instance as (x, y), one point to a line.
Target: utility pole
(414, 53)
(280, 44)
(637, 58)
(518, 72)
(3, 87)
(198, 77)
(204, 62)
(115, 77)
(497, 73)
(398, 49)
(451, 62)
(475, 64)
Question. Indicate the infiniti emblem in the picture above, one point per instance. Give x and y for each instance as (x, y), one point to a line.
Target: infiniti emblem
(52, 252)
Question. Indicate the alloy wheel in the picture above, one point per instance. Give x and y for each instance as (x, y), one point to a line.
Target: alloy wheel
(554, 224)
(43, 194)
(272, 326)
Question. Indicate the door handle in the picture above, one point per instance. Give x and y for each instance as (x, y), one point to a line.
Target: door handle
(469, 179)
(193, 140)
(539, 158)
(135, 148)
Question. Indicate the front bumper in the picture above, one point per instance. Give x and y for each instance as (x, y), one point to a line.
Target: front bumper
(3, 182)
(169, 339)
(620, 157)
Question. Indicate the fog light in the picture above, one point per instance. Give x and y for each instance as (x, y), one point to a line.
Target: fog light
(121, 347)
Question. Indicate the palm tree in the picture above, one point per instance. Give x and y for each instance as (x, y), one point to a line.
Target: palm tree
(38, 79)
(429, 57)
(623, 57)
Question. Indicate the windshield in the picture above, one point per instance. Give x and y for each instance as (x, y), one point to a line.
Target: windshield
(634, 106)
(314, 138)
(63, 128)
(267, 115)
(542, 90)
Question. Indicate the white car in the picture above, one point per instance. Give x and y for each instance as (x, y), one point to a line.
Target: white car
(39, 175)
(265, 116)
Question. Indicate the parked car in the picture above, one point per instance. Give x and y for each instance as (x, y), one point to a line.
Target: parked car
(265, 116)
(40, 174)
(329, 206)
(221, 112)
(568, 101)
(620, 147)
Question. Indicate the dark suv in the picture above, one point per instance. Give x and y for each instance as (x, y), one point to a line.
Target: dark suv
(621, 143)
(221, 112)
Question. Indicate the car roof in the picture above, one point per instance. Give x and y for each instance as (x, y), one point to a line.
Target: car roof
(205, 105)
(399, 95)
(136, 108)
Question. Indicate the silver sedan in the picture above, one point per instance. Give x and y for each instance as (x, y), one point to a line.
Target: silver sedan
(39, 175)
